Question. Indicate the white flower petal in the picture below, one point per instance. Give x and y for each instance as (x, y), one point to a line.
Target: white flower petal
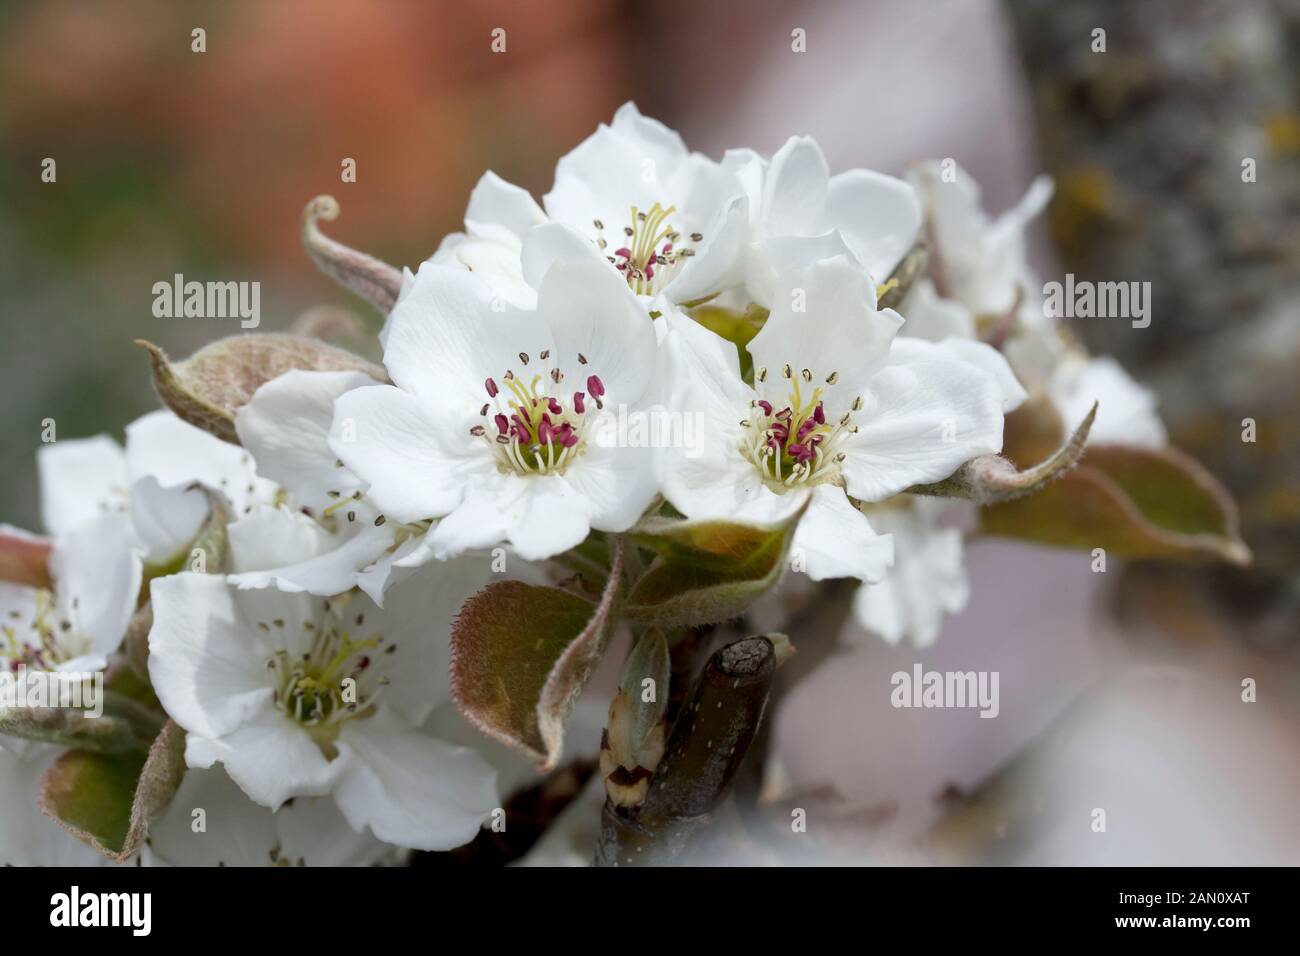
(835, 539)
(285, 426)
(878, 215)
(558, 242)
(929, 316)
(394, 443)
(926, 415)
(454, 329)
(271, 757)
(498, 202)
(97, 578)
(410, 789)
(206, 664)
(831, 305)
(990, 360)
(80, 478)
(591, 312)
(176, 453)
(417, 619)
(166, 519)
(795, 189)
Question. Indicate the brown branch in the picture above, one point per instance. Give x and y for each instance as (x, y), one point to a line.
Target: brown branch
(707, 746)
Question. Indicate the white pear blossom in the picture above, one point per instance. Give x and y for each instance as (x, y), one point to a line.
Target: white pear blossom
(928, 579)
(301, 696)
(801, 214)
(151, 481)
(234, 831)
(493, 423)
(96, 574)
(975, 263)
(631, 196)
(839, 407)
(979, 275)
(286, 427)
(1126, 411)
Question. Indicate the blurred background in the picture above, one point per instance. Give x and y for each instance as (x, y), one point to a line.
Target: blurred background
(1119, 690)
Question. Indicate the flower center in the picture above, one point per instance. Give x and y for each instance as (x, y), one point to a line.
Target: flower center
(333, 679)
(796, 445)
(534, 432)
(651, 248)
(46, 643)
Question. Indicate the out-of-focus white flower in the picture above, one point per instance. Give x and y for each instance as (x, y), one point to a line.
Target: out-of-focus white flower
(96, 576)
(303, 696)
(310, 831)
(928, 579)
(800, 214)
(974, 261)
(1126, 411)
(838, 406)
(151, 481)
(27, 836)
(491, 425)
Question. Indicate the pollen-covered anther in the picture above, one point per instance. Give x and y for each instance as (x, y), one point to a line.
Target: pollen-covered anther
(796, 444)
(537, 433)
(651, 249)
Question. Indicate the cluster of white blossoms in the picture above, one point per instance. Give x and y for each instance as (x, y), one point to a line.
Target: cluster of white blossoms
(308, 669)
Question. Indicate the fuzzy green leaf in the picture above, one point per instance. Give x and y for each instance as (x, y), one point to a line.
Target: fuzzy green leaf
(521, 655)
(108, 800)
(706, 571)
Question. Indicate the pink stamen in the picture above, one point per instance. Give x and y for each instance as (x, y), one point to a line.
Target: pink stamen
(595, 386)
(491, 388)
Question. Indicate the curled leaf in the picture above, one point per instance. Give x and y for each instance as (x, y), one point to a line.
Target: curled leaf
(992, 478)
(706, 571)
(108, 800)
(207, 388)
(521, 655)
(1134, 503)
(373, 279)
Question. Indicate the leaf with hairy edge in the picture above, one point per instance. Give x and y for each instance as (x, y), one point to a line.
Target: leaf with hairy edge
(24, 558)
(706, 571)
(207, 388)
(521, 654)
(992, 478)
(107, 801)
(70, 727)
(1133, 502)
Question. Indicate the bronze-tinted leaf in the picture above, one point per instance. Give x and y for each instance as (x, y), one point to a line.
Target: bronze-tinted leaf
(521, 655)
(207, 388)
(1134, 503)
